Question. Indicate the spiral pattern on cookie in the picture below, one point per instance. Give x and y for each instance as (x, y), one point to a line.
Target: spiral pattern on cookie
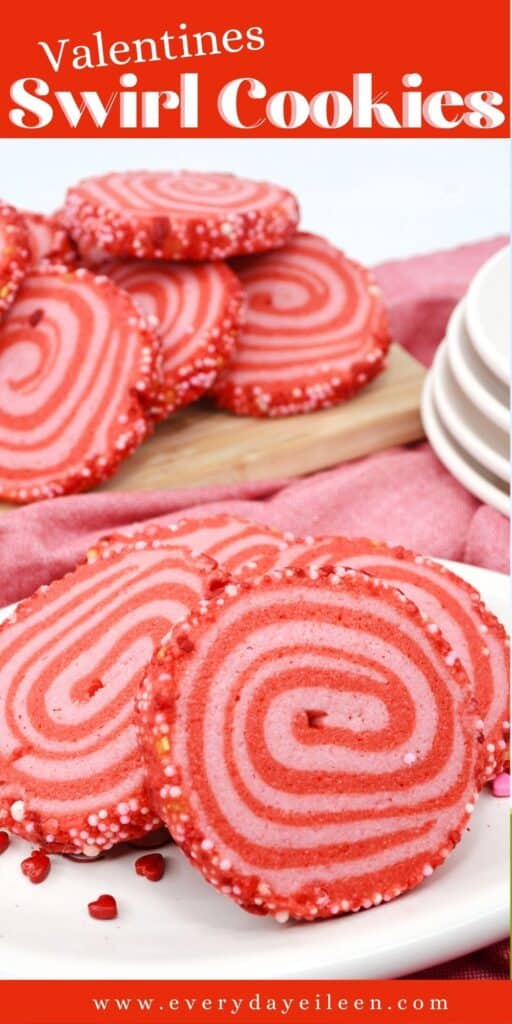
(480, 640)
(76, 375)
(196, 309)
(240, 546)
(311, 743)
(315, 331)
(71, 778)
(179, 215)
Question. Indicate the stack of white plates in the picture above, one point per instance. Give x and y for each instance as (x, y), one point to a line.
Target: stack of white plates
(465, 403)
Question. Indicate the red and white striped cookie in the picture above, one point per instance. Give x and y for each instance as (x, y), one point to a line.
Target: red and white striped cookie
(14, 254)
(49, 240)
(481, 642)
(76, 377)
(240, 546)
(71, 658)
(178, 215)
(310, 743)
(472, 631)
(315, 332)
(197, 310)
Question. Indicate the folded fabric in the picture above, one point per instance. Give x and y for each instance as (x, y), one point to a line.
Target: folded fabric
(490, 964)
(421, 292)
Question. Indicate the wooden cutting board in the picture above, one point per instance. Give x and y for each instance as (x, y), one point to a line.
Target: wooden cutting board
(201, 445)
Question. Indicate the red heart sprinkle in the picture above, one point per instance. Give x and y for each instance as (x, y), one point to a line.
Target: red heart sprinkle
(103, 909)
(151, 866)
(159, 229)
(36, 867)
(184, 643)
(4, 841)
(217, 582)
(35, 317)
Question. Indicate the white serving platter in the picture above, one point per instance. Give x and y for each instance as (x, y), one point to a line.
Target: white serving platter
(462, 466)
(488, 394)
(481, 439)
(182, 928)
(488, 313)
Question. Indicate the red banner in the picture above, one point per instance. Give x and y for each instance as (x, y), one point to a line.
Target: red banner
(255, 69)
(296, 1002)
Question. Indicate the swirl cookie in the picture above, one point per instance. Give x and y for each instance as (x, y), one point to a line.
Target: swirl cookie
(71, 777)
(311, 744)
(196, 309)
(77, 365)
(315, 331)
(178, 215)
(470, 628)
(239, 546)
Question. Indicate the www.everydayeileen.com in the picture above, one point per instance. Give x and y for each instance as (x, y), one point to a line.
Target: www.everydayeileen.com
(322, 1003)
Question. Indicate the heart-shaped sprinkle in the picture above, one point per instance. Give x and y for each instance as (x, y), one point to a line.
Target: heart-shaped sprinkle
(151, 866)
(103, 909)
(36, 867)
(4, 841)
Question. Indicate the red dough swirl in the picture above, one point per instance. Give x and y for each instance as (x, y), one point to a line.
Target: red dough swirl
(241, 547)
(310, 742)
(315, 332)
(14, 254)
(48, 239)
(470, 628)
(178, 215)
(197, 309)
(71, 778)
(76, 376)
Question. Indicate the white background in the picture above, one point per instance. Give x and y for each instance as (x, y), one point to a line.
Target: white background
(375, 198)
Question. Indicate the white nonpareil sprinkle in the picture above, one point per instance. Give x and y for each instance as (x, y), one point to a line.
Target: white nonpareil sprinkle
(91, 851)
(18, 810)
(282, 916)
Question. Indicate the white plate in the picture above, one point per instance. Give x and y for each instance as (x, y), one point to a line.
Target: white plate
(488, 313)
(181, 928)
(485, 442)
(466, 470)
(487, 393)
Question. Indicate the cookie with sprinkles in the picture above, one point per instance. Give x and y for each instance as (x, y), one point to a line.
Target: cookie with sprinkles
(49, 240)
(178, 215)
(14, 254)
(321, 749)
(77, 376)
(71, 658)
(241, 547)
(315, 333)
(196, 309)
(480, 640)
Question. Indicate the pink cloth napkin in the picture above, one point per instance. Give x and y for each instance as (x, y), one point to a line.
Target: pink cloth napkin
(403, 495)
(490, 964)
